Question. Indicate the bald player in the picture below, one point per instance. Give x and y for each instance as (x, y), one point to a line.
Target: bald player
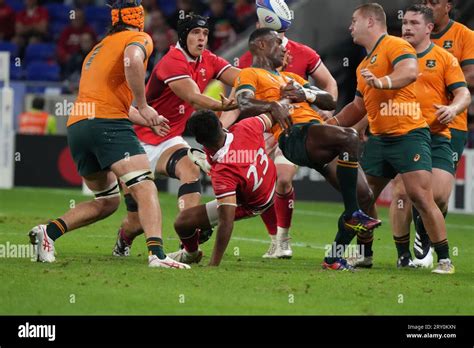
(400, 138)
(102, 141)
(443, 96)
(306, 140)
(458, 40)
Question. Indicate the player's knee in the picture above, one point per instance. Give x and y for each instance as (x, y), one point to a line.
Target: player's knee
(181, 225)
(108, 206)
(421, 199)
(284, 184)
(350, 139)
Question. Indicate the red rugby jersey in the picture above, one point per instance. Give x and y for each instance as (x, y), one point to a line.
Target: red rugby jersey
(175, 65)
(242, 168)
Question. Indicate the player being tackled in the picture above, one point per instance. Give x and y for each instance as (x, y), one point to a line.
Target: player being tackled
(242, 176)
(301, 133)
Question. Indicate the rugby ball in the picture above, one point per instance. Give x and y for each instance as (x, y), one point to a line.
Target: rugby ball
(274, 14)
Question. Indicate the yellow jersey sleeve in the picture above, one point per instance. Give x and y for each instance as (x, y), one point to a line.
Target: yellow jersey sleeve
(142, 40)
(454, 76)
(246, 81)
(402, 50)
(467, 55)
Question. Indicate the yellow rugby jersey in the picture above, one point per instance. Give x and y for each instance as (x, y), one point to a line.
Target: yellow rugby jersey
(390, 112)
(458, 40)
(439, 74)
(266, 87)
(103, 85)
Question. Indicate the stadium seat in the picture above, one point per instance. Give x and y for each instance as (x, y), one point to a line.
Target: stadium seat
(168, 7)
(98, 14)
(17, 5)
(16, 72)
(56, 28)
(40, 52)
(59, 12)
(9, 47)
(41, 71)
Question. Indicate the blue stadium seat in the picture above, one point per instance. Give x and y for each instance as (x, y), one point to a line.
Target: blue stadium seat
(168, 7)
(59, 12)
(17, 5)
(41, 71)
(56, 28)
(98, 14)
(40, 52)
(16, 72)
(9, 47)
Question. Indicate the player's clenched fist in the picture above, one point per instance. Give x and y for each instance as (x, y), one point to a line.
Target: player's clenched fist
(371, 79)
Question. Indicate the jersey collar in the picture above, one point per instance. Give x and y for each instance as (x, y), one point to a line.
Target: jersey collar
(188, 57)
(376, 45)
(425, 52)
(444, 31)
(219, 155)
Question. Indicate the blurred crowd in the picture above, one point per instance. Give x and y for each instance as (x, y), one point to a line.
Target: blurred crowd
(48, 40)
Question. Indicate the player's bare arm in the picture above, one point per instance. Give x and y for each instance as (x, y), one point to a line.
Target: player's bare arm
(162, 129)
(228, 118)
(351, 114)
(249, 106)
(468, 71)
(188, 90)
(226, 211)
(135, 75)
(461, 101)
(404, 73)
(313, 95)
(325, 81)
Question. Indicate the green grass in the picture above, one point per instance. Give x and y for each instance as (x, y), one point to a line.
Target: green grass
(244, 284)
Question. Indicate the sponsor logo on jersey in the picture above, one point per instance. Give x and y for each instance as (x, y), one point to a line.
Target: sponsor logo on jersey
(373, 59)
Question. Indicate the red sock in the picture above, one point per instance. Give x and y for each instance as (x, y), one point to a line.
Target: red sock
(127, 239)
(270, 220)
(191, 244)
(284, 208)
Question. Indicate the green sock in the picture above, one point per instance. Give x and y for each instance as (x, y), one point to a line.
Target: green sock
(155, 247)
(403, 244)
(366, 239)
(347, 172)
(343, 238)
(442, 249)
(56, 228)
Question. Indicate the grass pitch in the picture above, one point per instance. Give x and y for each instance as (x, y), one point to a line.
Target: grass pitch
(86, 279)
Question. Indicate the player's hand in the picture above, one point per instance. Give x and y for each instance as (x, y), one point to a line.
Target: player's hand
(162, 129)
(370, 79)
(228, 104)
(326, 115)
(150, 115)
(445, 113)
(281, 114)
(293, 92)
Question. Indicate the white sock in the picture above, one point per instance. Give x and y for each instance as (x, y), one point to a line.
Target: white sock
(282, 233)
